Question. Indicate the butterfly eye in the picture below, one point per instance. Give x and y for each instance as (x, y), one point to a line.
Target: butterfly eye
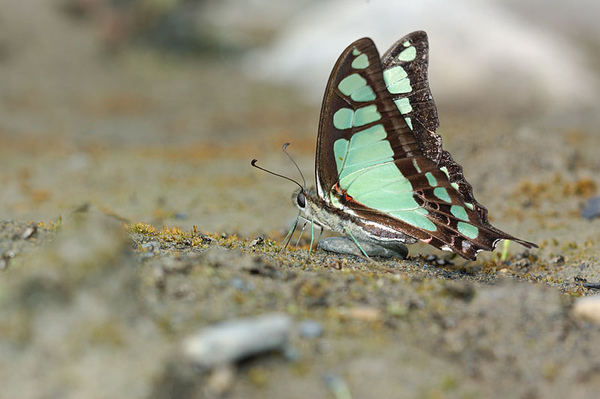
(301, 200)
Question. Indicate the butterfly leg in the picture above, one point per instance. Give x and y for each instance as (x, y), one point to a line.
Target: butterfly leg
(355, 241)
(300, 235)
(312, 235)
(290, 233)
(351, 246)
(320, 235)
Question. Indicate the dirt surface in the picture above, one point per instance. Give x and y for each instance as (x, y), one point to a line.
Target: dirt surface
(130, 217)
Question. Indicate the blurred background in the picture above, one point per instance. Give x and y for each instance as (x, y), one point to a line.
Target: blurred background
(153, 109)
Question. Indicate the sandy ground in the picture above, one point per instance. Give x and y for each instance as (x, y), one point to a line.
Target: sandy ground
(91, 142)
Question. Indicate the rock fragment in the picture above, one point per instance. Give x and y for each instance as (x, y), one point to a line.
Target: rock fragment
(231, 341)
(588, 308)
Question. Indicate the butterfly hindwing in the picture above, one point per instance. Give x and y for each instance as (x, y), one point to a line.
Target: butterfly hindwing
(418, 107)
(405, 71)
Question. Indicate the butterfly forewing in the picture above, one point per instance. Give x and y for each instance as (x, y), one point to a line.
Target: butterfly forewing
(357, 101)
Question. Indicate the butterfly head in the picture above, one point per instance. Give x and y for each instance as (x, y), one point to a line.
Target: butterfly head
(299, 198)
(302, 199)
(312, 208)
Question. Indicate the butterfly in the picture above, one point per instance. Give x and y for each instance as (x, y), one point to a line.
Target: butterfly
(382, 176)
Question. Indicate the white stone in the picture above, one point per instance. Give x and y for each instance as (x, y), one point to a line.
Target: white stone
(588, 308)
(230, 341)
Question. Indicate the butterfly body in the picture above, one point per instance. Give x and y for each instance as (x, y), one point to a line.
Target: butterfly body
(343, 221)
(382, 176)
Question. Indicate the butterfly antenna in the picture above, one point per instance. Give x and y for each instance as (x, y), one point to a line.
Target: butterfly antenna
(284, 149)
(254, 161)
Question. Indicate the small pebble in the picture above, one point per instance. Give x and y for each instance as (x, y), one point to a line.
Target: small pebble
(588, 308)
(558, 260)
(29, 232)
(592, 208)
(311, 329)
(363, 313)
(231, 341)
(257, 241)
(151, 246)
